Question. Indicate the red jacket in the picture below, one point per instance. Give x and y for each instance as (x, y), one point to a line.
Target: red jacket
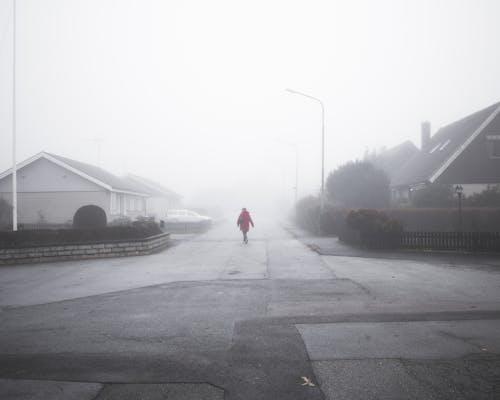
(244, 221)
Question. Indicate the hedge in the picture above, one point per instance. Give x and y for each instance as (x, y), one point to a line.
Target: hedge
(333, 219)
(25, 238)
(478, 219)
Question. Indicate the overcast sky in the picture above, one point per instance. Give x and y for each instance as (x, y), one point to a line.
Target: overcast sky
(191, 93)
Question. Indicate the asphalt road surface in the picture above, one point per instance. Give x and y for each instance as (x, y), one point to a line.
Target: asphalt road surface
(212, 318)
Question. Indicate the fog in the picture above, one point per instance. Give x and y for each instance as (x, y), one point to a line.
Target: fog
(192, 93)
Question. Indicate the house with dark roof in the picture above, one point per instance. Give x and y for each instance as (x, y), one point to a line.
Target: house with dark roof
(465, 152)
(160, 198)
(51, 189)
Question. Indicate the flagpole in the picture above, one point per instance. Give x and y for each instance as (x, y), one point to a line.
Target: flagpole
(14, 166)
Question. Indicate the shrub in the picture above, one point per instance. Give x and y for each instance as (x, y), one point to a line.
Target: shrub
(307, 213)
(433, 196)
(490, 197)
(89, 217)
(333, 220)
(121, 221)
(365, 224)
(372, 221)
(358, 184)
(26, 238)
(146, 224)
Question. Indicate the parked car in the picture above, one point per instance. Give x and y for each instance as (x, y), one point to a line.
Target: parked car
(187, 217)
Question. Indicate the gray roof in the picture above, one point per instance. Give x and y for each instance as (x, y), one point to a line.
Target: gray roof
(151, 187)
(100, 174)
(442, 146)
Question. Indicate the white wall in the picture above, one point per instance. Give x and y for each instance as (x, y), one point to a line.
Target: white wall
(52, 194)
(55, 207)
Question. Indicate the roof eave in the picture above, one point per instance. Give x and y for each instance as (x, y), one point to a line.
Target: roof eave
(129, 192)
(76, 171)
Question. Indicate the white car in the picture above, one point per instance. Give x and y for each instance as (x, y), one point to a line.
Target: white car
(187, 217)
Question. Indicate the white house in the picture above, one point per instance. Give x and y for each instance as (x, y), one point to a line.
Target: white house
(52, 188)
(160, 198)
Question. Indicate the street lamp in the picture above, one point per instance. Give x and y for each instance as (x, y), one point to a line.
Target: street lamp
(322, 141)
(459, 190)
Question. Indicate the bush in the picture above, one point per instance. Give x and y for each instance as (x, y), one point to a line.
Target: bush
(358, 184)
(67, 236)
(372, 221)
(364, 224)
(121, 221)
(490, 197)
(333, 220)
(433, 196)
(307, 213)
(90, 216)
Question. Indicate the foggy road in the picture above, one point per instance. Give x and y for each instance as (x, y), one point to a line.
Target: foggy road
(378, 121)
(211, 317)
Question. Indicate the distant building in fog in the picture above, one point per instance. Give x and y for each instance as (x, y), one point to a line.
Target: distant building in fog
(51, 189)
(392, 160)
(465, 152)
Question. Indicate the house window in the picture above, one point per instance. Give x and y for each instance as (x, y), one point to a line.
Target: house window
(493, 145)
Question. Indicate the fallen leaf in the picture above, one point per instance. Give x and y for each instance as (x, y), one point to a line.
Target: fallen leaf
(307, 381)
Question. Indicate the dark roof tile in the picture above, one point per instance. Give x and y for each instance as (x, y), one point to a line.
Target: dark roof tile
(443, 144)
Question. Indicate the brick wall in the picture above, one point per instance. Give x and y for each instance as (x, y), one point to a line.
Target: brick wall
(50, 253)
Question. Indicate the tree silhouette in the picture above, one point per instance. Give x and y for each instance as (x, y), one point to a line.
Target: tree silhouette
(358, 184)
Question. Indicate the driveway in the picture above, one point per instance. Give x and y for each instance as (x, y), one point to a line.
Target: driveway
(212, 318)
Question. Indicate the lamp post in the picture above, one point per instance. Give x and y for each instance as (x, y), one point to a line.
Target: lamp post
(459, 190)
(322, 141)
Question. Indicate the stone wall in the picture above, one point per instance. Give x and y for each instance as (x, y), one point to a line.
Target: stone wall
(50, 253)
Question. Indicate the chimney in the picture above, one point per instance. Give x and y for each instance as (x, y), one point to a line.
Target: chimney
(426, 134)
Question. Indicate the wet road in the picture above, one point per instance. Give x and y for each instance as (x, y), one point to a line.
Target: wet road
(211, 317)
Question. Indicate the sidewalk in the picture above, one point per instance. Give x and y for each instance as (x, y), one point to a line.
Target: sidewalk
(332, 246)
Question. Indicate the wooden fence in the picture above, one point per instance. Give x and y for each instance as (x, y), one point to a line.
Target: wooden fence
(462, 241)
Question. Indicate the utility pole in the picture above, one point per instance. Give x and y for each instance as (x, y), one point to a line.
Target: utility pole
(14, 166)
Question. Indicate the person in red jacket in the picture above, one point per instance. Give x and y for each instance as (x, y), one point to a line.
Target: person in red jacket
(244, 221)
